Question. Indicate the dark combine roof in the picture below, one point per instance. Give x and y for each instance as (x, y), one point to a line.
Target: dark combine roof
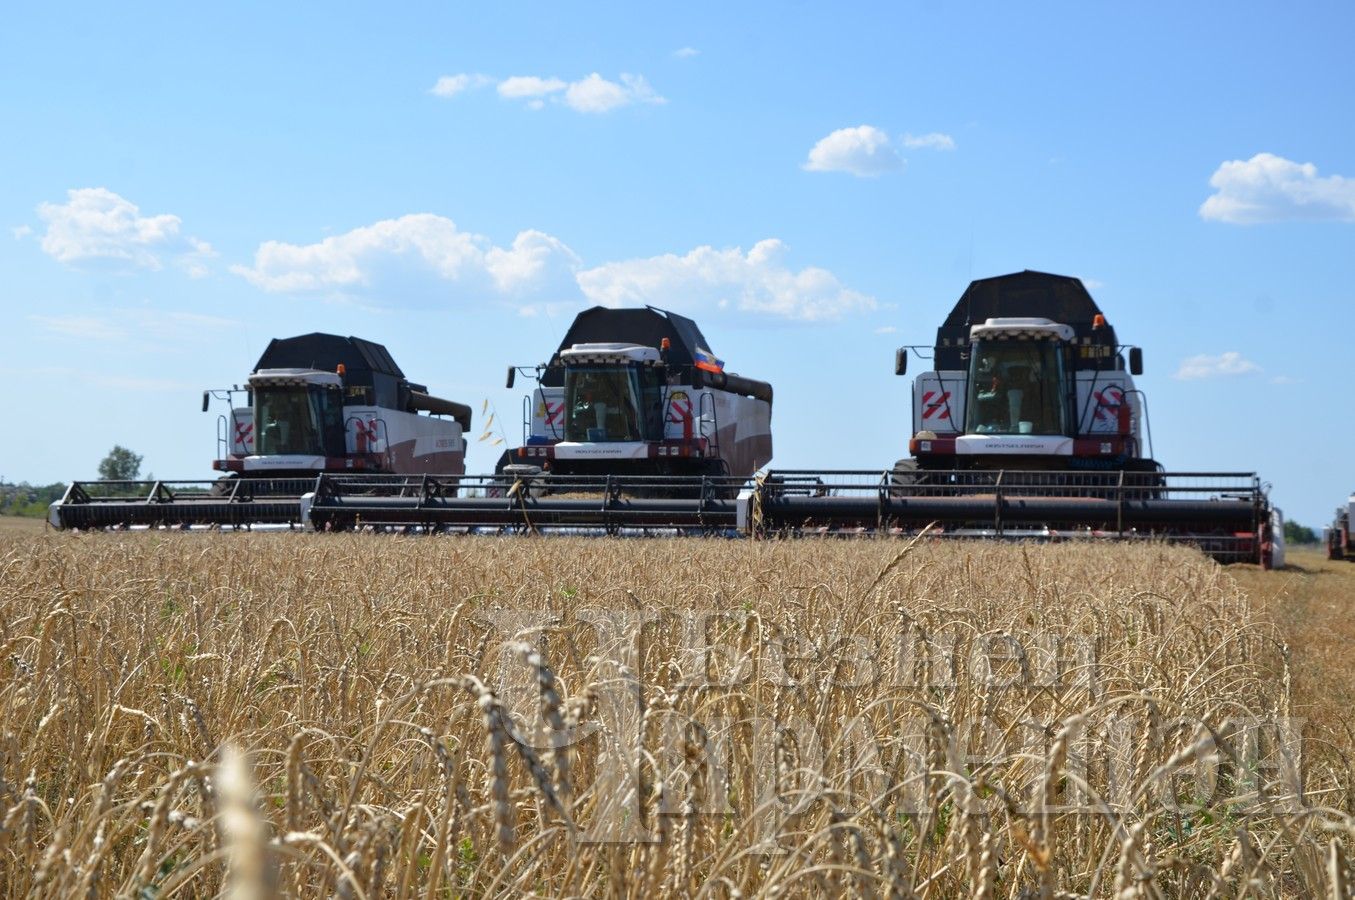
(645, 327)
(1059, 298)
(325, 352)
(365, 364)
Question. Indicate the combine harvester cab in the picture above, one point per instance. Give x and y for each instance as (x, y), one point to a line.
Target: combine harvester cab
(1340, 540)
(637, 392)
(634, 424)
(314, 404)
(1029, 425)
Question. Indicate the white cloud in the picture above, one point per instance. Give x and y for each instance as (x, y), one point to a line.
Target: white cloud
(1270, 188)
(596, 94)
(412, 257)
(20, 232)
(686, 53)
(1226, 364)
(886, 329)
(863, 151)
(592, 94)
(451, 85)
(520, 87)
(98, 227)
(425, 258)
(755, 282)
(933, 141)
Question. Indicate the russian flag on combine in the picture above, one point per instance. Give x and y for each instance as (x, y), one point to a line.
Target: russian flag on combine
(704, 359)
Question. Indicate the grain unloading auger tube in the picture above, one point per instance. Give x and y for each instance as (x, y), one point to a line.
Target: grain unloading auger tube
(1226, 515)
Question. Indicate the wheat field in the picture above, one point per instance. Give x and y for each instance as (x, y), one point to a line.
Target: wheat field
(382, 716)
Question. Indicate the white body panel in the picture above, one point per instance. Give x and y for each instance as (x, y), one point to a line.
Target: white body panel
(548, 413)
(939, 402)
(1099, 397)
(1276, 538)
(1350, 512)
(371, 429)
(242, 431)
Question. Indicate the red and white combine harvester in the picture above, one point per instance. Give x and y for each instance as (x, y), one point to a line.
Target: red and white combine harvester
(315, 403)
(1028, 423)
(638, 392)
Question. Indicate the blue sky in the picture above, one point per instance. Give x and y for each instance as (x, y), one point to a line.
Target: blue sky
(814, 185)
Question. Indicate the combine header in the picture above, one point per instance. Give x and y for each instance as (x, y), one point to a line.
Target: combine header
(315, 403)
(637, 392)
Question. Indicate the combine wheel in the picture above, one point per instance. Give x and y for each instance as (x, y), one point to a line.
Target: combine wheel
(906, 473)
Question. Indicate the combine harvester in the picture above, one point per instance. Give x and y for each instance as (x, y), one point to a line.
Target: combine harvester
(1340, 540)
(1028, 425)
(317, 403)
(633, 424)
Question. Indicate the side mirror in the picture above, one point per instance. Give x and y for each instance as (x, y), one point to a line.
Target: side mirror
(1135, 360)
(512, 376)
(901, 361)
(206, 398)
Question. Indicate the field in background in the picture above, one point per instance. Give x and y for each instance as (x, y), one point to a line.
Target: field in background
(422, 717)
(1312, 603)
(11, 525)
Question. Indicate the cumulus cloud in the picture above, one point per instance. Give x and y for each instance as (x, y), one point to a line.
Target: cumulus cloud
(596, 94)
(1270, 188)
(415, 256)
(686, 53)
(425, 258)
(451, 85)
(755, 282)
(590, 94)
(932, 141)
(96, 227)
(525, 86)
(1223, 365)
(863, 151)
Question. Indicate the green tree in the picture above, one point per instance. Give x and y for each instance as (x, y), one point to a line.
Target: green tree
(1294, 533)
(120, 464)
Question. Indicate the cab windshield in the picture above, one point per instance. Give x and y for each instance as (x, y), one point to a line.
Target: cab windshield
(1016, 387)
(298, 419)
(613, 403)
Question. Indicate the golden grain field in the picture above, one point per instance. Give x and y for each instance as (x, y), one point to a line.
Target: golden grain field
(380, 716)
